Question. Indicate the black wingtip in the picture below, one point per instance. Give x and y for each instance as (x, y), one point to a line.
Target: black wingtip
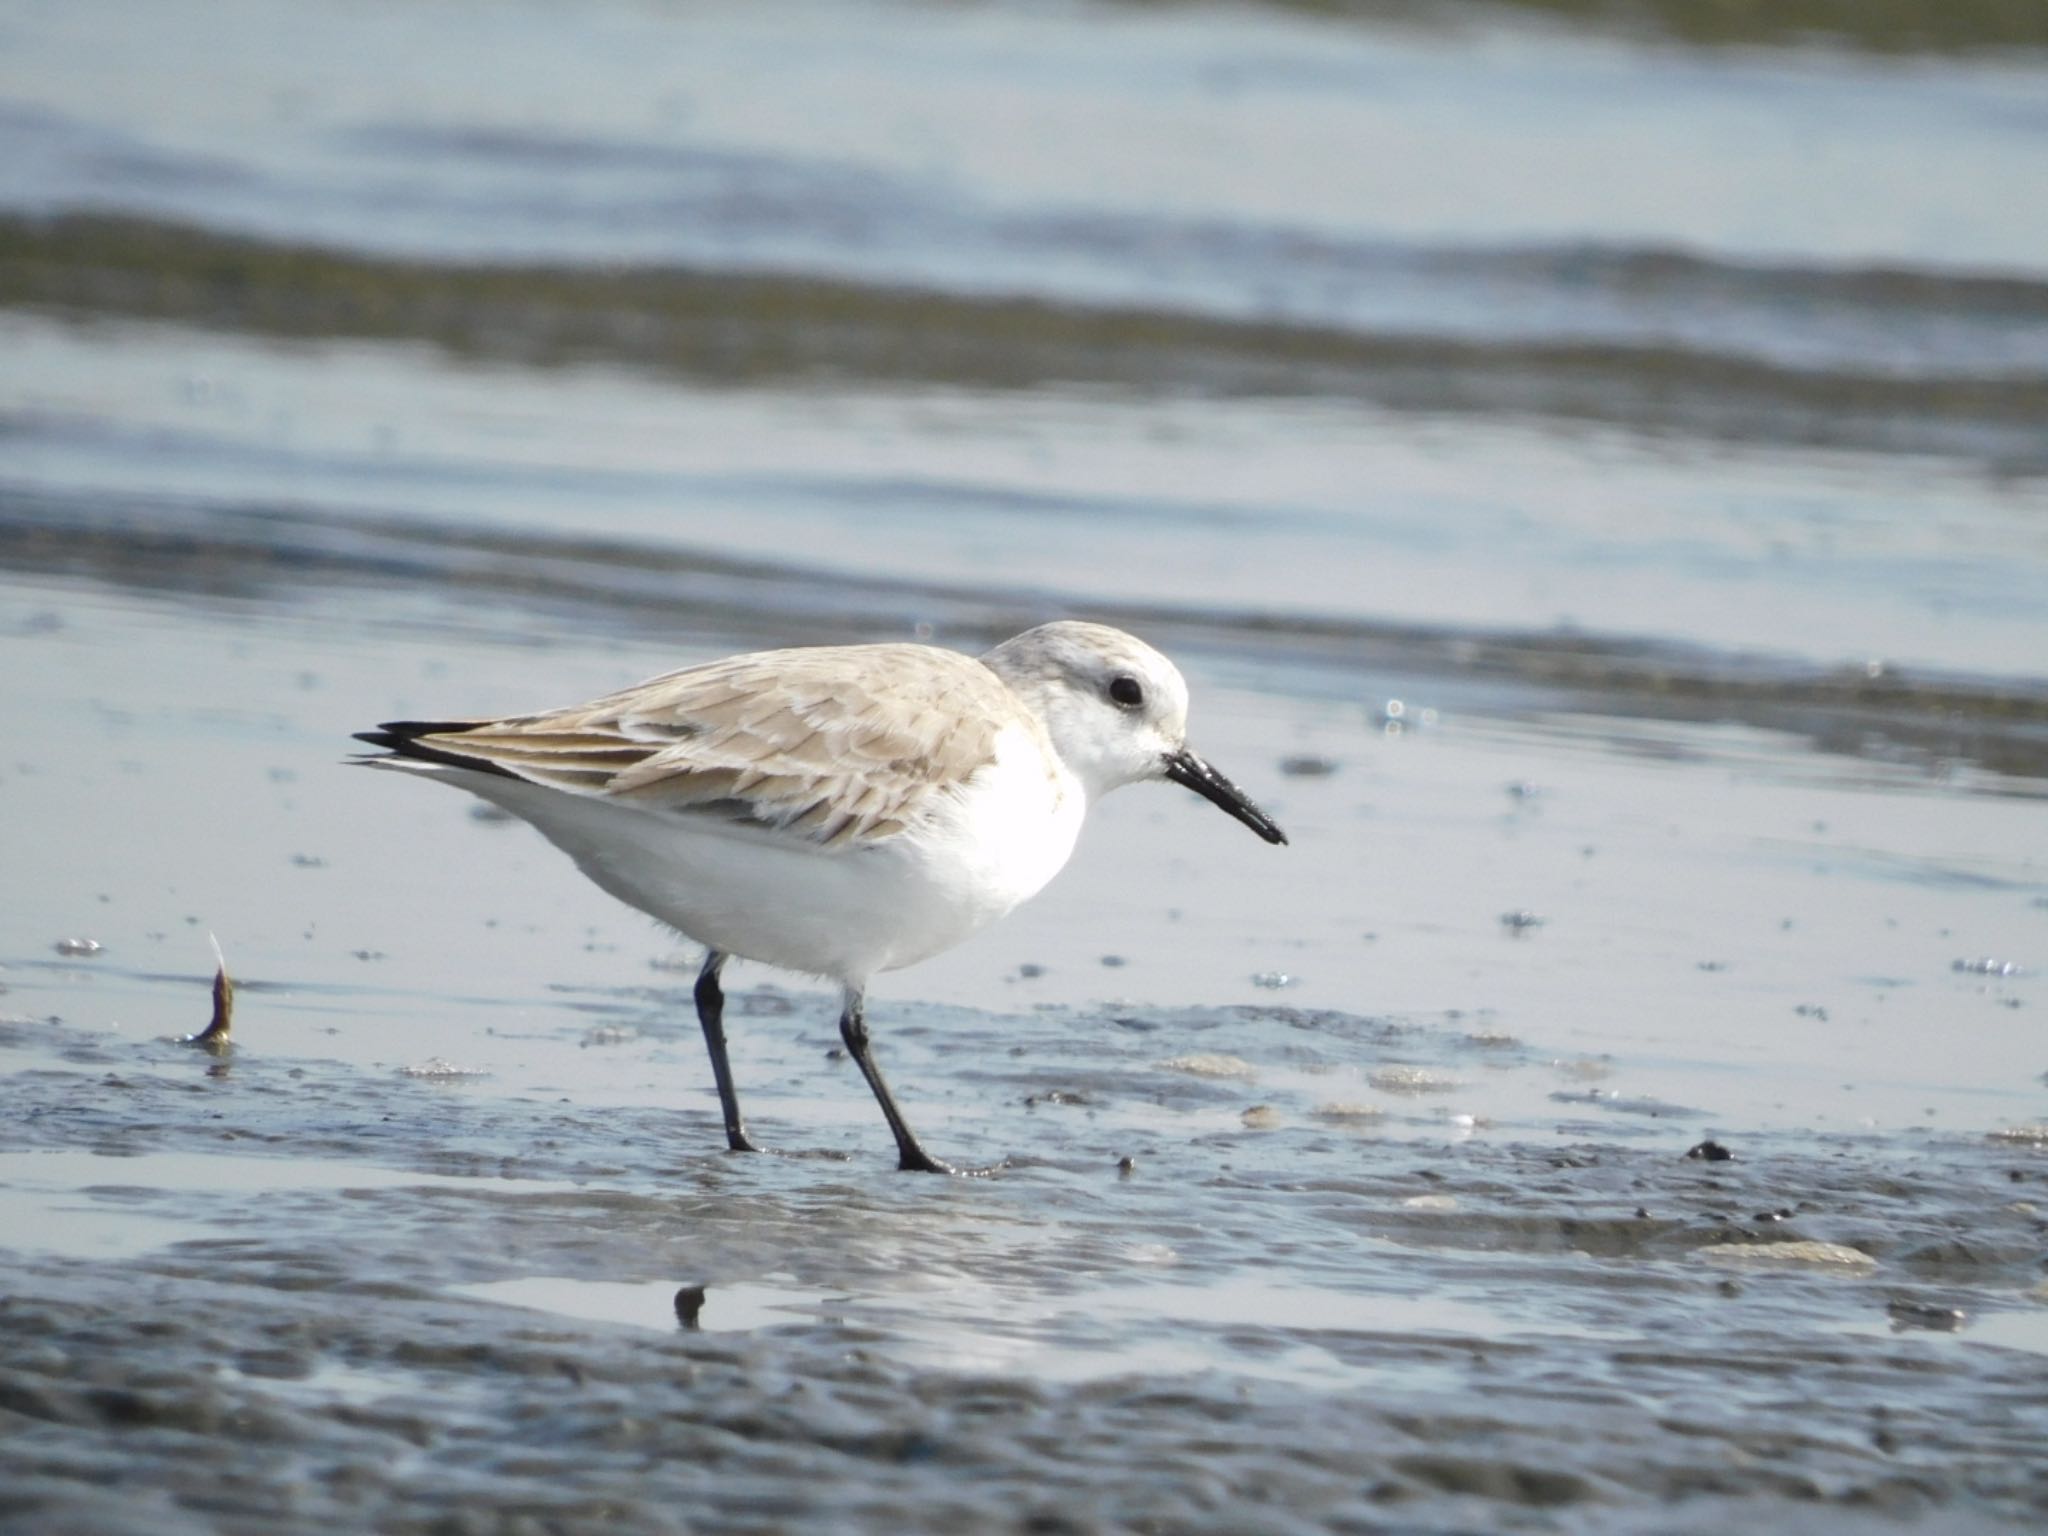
(401, 738)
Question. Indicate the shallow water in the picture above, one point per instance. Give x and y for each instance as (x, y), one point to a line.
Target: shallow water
(1610, 540)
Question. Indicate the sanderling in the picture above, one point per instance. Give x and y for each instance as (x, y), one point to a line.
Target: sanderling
(835, 810)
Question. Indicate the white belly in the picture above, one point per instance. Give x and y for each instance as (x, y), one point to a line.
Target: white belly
(842, 913)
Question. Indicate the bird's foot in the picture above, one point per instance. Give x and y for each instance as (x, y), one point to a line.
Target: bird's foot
(914, 1159)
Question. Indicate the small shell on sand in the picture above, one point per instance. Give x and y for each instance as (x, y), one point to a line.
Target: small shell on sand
(439, 1069)
(2025, 1135)
(1204, 1065)
(1347, 1112)
(1401, 1079)
(1827, 1255)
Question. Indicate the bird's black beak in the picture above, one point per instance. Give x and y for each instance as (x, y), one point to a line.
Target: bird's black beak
(1183, 767)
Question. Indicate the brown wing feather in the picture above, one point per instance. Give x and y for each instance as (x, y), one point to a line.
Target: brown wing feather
(840, 744)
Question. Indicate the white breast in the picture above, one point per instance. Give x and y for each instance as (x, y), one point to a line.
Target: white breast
(1007, 833)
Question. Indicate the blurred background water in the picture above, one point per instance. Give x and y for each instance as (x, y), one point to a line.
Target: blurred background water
(1249, 310)
(1591, 457)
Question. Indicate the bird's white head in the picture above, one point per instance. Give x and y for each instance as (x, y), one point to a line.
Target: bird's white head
(1116, 712)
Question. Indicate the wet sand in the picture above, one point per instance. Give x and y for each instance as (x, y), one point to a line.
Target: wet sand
(278, 1288)
(299, 1295)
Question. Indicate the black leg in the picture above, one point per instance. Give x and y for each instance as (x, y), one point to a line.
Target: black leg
(711, 1014)
(911, 1158)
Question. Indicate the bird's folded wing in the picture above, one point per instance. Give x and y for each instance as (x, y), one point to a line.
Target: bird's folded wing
(839, 745)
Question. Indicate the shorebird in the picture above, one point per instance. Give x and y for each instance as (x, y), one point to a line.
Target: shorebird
(834, 810)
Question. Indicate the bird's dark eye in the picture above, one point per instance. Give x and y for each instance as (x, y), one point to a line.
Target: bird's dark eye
(1124, 689)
